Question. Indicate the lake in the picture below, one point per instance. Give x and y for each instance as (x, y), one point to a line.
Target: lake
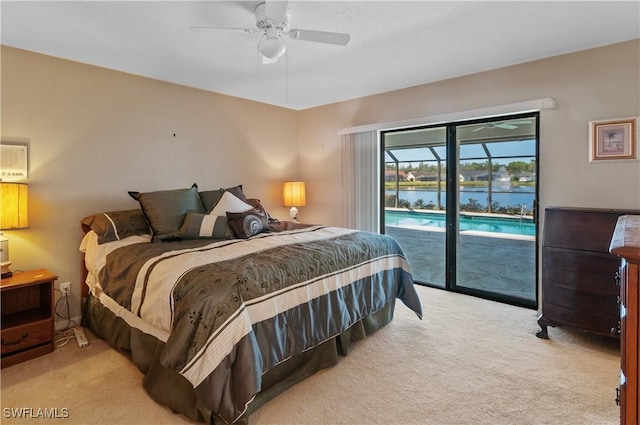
(516, 196)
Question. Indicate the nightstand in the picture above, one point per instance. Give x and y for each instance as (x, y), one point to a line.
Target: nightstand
(27, 316)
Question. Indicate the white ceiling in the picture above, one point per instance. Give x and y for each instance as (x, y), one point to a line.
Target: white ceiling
(393, 44)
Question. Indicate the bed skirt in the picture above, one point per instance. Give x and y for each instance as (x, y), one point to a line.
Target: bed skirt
(169, 388)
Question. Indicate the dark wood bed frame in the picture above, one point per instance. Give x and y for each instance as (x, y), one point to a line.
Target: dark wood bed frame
(84, 289)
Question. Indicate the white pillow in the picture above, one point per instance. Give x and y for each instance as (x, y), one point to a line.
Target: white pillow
(229, 203)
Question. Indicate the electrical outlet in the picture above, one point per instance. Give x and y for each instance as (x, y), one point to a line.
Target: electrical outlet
(65, 288)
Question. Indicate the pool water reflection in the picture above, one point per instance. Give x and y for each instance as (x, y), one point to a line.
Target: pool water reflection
(468, 222)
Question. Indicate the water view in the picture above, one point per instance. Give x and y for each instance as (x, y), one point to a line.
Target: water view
(514, 199)
(482, 223)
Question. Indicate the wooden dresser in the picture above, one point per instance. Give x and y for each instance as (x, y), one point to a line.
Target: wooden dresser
(578, 271)
(626, 244)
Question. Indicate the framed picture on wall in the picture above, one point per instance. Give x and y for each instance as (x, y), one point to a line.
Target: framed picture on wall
(615, 139)
(14, 161)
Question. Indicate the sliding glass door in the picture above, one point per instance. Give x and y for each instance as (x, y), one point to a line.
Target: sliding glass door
(461, 200)
(415, 183)
(496, 198)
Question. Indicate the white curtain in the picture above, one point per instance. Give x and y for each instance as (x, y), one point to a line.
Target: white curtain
(361, 180)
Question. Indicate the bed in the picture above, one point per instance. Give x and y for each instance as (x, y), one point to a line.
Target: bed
(222, 307)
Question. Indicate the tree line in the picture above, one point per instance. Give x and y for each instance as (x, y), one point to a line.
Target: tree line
(514, 167)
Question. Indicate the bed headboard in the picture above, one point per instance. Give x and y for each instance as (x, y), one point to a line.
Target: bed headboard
(84, 289)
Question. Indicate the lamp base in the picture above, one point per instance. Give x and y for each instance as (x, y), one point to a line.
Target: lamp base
(5, 270)
(293, 213)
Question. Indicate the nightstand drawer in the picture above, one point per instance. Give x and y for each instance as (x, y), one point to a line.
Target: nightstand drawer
(27, 336)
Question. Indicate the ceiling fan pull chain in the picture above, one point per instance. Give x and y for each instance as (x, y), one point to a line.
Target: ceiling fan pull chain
(286, 78)
(258, 60)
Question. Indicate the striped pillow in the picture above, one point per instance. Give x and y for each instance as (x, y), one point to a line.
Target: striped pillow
(116, 225)
(205, 226)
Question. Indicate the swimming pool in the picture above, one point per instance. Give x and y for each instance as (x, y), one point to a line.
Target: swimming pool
(476, 223)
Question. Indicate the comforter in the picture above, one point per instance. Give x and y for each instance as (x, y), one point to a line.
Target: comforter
(229, 311)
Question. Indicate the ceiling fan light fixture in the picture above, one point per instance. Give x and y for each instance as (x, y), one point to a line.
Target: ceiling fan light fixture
(272, 46)
(272, 20)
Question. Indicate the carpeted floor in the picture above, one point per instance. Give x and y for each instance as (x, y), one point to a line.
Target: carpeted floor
(470, 361)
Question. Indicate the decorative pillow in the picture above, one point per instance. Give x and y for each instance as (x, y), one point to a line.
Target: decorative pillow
(255, 203)
(116, 225)
(231, 203)
(214, 224)
(237, 190)
(210, 198)
(205, 226)
(248, 223)
(166, 209)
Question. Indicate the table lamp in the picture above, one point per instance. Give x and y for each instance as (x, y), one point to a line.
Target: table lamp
(13, 197)
(293, 195)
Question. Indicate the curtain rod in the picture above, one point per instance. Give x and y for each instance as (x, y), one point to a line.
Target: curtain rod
(512, 108)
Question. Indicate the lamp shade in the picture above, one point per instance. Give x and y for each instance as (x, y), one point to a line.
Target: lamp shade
(14, 206)
(293, 194)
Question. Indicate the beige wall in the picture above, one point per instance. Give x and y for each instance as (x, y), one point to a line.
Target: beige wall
(595, 84)
(95, 134)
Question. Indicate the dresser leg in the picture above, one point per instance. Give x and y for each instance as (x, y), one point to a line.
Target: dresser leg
(543, 333)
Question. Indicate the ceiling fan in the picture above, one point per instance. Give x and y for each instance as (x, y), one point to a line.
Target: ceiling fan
(506, 125)
(272, 20)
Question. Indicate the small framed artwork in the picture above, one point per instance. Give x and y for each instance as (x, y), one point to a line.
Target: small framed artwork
(14, 161)
(615, 139)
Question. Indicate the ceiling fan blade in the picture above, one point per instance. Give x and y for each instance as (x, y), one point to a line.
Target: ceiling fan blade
(478, 129)
(276, 10)
(337, 38)
(246, 30)
(507, 126)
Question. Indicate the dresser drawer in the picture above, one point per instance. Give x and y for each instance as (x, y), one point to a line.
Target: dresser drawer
(580, 271)
(582, 320)
(26, 336)
(600, 306)
(583, 229)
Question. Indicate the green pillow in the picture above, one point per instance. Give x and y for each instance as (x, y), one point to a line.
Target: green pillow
(210, 198)
(166, 210)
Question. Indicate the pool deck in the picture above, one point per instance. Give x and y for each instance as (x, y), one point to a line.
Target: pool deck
(499, 263)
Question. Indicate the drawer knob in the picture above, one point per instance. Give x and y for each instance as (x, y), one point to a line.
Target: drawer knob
(24, 336)
(616, 329)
